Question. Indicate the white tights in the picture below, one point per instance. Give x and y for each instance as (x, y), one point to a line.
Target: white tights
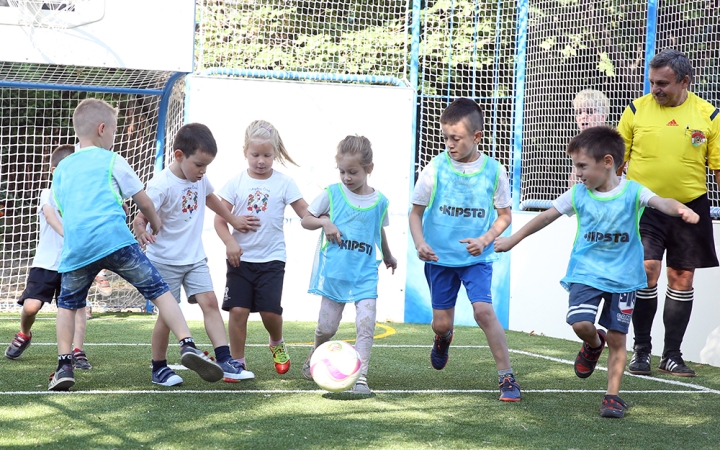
(329, 321)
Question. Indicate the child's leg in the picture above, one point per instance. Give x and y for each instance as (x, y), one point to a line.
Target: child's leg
(442, 321)
(29, 311)
(616, 360)
(214, 324)
(237, 330)
(65, 328)
(328, 321)
(80, 327)
(171, 314)
(273, 324)
(160, 340)
(365, 314)
(494, 332)
(587, 331)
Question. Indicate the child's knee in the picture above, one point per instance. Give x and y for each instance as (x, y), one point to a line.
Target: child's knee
(31, 306)
(616, 340)
(207, 301)
(484, 314)
(583, 327)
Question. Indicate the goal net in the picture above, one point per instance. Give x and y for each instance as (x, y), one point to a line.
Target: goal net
(37, 103)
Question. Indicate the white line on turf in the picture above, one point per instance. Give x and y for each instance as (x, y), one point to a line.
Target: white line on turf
(318, 391)
(697, 388)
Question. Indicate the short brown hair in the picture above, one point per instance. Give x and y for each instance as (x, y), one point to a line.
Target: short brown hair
(60, 153)
(598, 142)
(464, 108)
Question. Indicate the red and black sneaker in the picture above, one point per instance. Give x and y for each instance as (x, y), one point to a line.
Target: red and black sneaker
(587, 357)
(17, 346)
(613, 406)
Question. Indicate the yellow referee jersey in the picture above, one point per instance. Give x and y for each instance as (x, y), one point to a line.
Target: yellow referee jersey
(668, 147)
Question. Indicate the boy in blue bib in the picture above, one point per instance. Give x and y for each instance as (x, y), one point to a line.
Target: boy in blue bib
(606, 262)
(460, 204)
(88, 188)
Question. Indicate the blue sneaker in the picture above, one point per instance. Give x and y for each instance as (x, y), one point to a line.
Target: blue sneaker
(234, 371)
(62, 379)
(165, 376)
(509, 389)
(439, 353)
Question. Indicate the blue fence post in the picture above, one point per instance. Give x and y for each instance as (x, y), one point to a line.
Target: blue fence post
(519, 104)
(650, 39)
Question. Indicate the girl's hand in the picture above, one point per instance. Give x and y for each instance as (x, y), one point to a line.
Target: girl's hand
(332, 233)
(390, 262)
(233, 252)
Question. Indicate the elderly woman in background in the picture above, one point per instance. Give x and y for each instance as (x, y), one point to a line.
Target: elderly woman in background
(591, 109)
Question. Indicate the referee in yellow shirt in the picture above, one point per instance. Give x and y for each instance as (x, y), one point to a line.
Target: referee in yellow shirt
(669, 135)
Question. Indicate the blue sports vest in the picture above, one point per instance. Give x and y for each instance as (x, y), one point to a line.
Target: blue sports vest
(461, 206)
(349, 272)
(93, 217)
(608, 253)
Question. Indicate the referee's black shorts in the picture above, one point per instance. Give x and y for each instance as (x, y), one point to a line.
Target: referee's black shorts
(688, 246)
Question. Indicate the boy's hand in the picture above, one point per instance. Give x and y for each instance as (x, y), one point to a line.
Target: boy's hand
(688, 215)
(503, 244)
(390, 262)
(332, 233)
(144, 238)
(475, 246)
(234, 252)
(245, 223)
(156, 225)
(426, 253)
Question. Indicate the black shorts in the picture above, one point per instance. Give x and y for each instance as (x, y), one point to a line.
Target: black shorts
(689, 246)
(42, 284)
(255, 286)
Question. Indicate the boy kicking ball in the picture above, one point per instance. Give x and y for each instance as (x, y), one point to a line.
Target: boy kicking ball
(606, 262)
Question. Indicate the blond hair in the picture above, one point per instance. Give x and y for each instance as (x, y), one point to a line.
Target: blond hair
(591, 98)
(260, 130)
(359, 146)
(90, 113)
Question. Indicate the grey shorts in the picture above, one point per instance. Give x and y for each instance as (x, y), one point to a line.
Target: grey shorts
(195, 278)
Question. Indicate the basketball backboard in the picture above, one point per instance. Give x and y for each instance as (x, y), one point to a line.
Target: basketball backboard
(131, 34)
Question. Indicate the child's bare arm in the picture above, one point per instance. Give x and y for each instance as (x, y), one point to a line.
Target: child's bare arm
(232, 248)
(146, 206)
(300, 207)
(536, 224)
(242, 223)
(672, 207)
(52, 219)
(475, 246)
(425, 252)
(140, 229)
(388, 258)
(310, 222)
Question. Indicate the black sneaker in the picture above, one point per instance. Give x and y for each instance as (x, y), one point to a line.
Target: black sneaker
(587, 358)
(17, 346)
(439, 353)
(80, 361)
(674, 365)
(613, 406)
(62, 379)
(640, 362)
(200, 363)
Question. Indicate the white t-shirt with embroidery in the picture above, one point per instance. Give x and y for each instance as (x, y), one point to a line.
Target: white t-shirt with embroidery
(321, 204)
(564, 203)
(266, 200)
(180, 204)
(49, 248)
(426, 180)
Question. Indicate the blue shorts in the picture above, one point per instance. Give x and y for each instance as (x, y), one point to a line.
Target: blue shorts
(128, 262)
(585, 301)
(445, 283)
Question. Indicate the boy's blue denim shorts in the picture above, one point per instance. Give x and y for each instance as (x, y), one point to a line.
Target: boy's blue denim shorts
(445, 283)
(128, 262)
(616, 313)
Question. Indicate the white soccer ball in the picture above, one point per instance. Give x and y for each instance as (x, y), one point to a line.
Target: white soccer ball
(335, 366)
